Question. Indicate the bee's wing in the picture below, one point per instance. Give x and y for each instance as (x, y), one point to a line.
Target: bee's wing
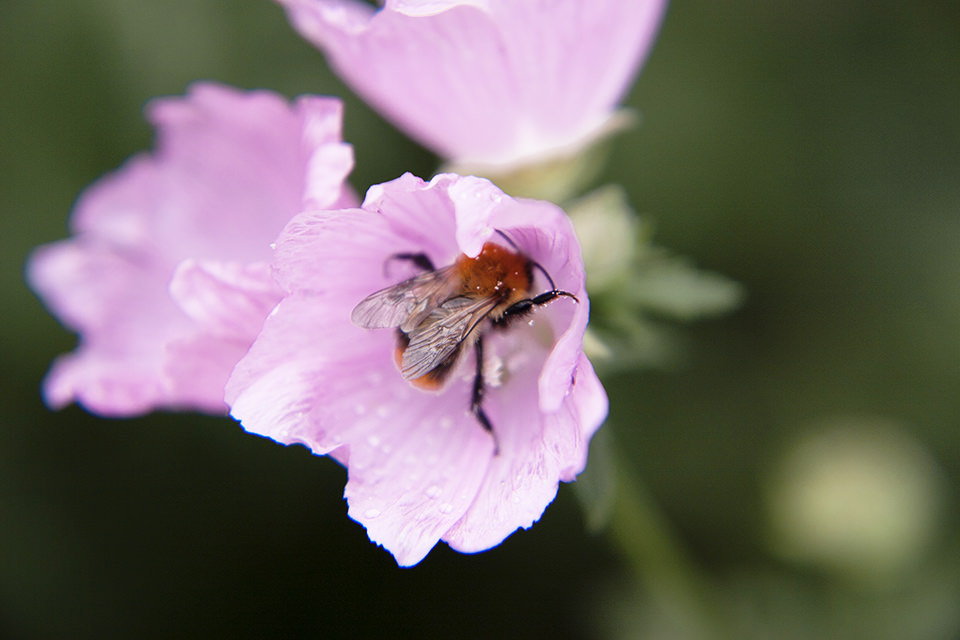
(441, 333)
(404, 304)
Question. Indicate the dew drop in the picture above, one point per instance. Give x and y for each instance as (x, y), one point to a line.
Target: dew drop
(372, 513)
(434, 491)
(373, 440)
(446, 507)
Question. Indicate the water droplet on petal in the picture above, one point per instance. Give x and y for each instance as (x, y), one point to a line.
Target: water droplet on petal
(373, 440)
(433, 491)
(446, 507)
(371, 513)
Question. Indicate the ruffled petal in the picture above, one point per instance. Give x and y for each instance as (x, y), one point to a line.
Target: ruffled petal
(167, 280)
(86, 283)
(112, 209)
(197, 367)
(109, 298)
(238, 166)
(227, 299)
(496, 81)
(537, 450)
(522, 480)
(103, 382)
(416, 460)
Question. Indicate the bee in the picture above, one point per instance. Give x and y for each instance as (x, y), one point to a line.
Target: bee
(442, 312)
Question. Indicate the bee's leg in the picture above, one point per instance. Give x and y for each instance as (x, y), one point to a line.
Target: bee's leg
(522, 307)
(420, 260)
(476, 401)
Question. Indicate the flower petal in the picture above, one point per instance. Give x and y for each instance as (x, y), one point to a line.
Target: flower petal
(494, 81)
(229, 299)
(197, 367)
(239, 166)
(416, 460)
(167, 280)
(537, 450)
(108, 297)
(102, 382)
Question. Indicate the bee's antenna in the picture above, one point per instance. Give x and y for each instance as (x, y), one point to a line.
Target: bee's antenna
(508, 239)
(539, 266)
(553, 287)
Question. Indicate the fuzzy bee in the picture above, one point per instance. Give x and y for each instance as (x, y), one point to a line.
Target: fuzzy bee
(442, 312)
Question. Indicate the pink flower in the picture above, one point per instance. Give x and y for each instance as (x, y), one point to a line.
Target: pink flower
(167, 277)
(421, 467)
(487, 81)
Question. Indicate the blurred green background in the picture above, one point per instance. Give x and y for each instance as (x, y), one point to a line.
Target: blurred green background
(809, 150)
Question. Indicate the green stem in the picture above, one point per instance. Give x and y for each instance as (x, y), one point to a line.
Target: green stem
(658, 561)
